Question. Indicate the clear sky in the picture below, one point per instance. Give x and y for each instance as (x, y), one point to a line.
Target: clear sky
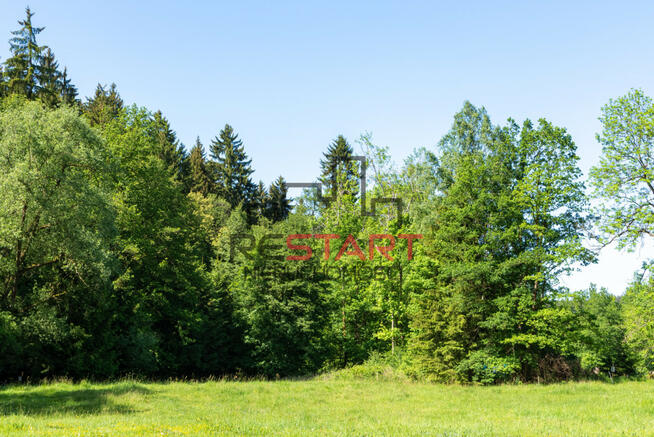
(290, 76)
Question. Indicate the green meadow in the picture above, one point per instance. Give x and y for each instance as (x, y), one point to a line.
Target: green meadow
(326, 407)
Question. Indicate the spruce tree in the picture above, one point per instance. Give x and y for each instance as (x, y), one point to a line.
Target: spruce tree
(16, 75)
(338, 169)
(49, 79)
(171, 152)
(231, 169)
(261, 200)
(200, 180)
(278, 204)
(68, 91)
(3, 85)
(104, 106)
(22, 69)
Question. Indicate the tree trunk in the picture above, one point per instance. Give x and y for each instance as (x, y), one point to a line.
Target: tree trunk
(393, 334)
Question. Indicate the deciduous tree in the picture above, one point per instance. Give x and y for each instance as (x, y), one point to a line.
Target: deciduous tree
(624, 179)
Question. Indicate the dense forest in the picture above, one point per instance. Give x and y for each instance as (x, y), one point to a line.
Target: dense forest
(123, 252)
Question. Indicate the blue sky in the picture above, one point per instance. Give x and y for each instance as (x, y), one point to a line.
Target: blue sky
(290, 76)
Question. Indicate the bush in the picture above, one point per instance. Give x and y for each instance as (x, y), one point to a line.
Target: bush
(483, 368)
(385, 366)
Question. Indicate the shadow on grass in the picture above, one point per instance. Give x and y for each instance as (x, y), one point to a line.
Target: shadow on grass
(45, 401)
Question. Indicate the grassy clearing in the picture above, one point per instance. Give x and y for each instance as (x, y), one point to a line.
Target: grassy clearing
(326, 407)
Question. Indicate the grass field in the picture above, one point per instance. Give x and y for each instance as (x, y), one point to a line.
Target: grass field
(326, 407)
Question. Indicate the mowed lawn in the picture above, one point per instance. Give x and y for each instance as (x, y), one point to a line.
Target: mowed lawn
(326, 407)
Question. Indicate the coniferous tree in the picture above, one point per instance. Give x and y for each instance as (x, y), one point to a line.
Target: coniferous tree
(337, 164)
(278, 204)
(104, 106)
(49, 79)
(22, 69)
(285, 312)
(68, 91)
(231, 169)
(171, 151)
(3, 85)
(200, 180)
(261, 200)
(16, 75)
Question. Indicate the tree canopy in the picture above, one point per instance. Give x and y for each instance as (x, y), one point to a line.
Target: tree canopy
(122, 252)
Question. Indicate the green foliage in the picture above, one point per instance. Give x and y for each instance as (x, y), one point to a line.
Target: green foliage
(277, 205)
(10, 345)
(68, 90)
(480, 367)
(23, 68)
(623, 180)
(598, 331)
(53, 207)
(171, 152)
(283, 304)
(386, 367)
(506, 223)
(231, 169)
(337, 167)
(32, 70)
(118, 256)
(104, 106)
(638, 313)
(163, 281)
(261, 200)
(200, 177)
(56, 226)
(48, 78)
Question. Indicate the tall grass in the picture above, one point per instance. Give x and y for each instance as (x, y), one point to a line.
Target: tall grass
(336, 406)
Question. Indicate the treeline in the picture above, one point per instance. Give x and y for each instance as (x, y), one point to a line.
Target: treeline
(123, 253)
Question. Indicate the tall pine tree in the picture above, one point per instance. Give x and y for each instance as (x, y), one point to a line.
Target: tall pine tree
(49, 79)
(260, 200)
(171, 151)
(68, 92)
(200, 179)
(278, 206)
(338, 169)
(231, 169)
(104, 106)
(32, 70)
(22, 68)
